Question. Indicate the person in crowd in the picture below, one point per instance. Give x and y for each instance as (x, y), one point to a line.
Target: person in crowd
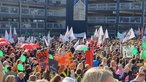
(43, 80)
(78, 75)
(1, 70)
(104, 62)
(56, 78)
(28, 72)
(139, 78)
(20, 77)
(111, 65)
(10, 78)
(38, 75)
(98, 75)
(120, 71)
(9, 72)
(32, 78)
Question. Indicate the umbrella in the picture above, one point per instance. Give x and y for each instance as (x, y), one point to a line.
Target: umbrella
(27, 46)
(4, 43)
(81, 47)
(3, 39)
(35, 45)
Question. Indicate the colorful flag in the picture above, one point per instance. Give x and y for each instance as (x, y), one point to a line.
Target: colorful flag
(121, 36)
(89, 57)
(10, 36)
(91, 40)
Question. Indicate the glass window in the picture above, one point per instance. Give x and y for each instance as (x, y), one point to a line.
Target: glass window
(135, 19)
(41, 25)
(25, 11)
(34, 11)
(124, 20)
(41, 12)
(14, 10)
(4, 9)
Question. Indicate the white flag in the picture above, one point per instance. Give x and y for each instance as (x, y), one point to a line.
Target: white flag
(31, 39)
(28, 39)
(67, 32)
(100, 31)
(61, 38)
(14, 32)
(48, 36)
(95, 33)
(43, 38)
(84, 37)
(71, 33)
(87, 43)
(6, 35)
(105, 35)
(129, 35)
(46, 42)
(76, 44)
(99, 40)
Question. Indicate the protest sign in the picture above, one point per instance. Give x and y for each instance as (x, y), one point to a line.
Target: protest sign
(43, 59)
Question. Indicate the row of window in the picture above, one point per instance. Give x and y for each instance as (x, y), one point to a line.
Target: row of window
(31, 11)
(113, 6)
(113, 19)
(26, 25)
(56, 2)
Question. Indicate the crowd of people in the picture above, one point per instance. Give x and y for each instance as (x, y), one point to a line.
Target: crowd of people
(111, 66)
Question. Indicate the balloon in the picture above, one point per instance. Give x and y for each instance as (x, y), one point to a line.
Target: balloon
(144, 54)
(85, 49)
(20, 67)
(51, 56)
(144, 45)
(134, 51)
(5, 68)
(95, 63)
(1, 53)
(23, 58)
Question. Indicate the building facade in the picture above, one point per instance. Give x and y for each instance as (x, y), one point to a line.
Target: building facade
(116, 15)
(32, 16)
